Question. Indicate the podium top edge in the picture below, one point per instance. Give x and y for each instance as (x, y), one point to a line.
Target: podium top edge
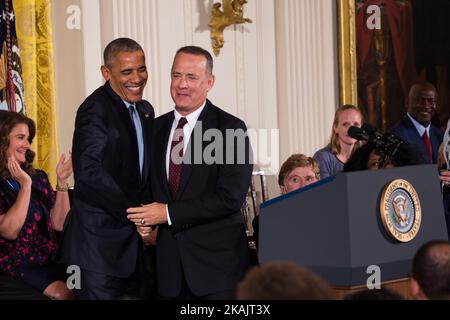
(295, 192)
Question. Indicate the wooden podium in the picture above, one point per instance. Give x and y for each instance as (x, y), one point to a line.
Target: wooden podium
(400, 286)
(334, 227)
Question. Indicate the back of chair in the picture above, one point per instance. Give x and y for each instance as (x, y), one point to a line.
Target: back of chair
(255, 197)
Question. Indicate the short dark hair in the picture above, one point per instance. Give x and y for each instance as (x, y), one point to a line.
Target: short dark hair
(359, 159)
(283, 281)
(119, 45)
(8, 120)
(419, 87)
(199, 52)
(431, 269)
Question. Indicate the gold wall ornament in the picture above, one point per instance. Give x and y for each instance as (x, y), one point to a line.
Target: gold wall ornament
(233, 13)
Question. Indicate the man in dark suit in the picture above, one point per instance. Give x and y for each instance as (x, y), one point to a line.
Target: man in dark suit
(201, 248)
(111, 167)
(417, 122)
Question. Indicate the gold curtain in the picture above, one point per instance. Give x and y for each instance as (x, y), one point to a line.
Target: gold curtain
(34, 33)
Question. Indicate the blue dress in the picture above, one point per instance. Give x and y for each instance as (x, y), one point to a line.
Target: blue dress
(28, 257)
(329, 164)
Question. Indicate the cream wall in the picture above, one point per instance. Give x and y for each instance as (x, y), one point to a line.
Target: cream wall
(69, 71)
(278, 72)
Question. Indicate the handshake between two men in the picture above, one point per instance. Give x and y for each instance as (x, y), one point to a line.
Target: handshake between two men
(147, 218)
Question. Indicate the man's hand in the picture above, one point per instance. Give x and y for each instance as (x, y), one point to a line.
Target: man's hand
(148, 215)
(148, 234)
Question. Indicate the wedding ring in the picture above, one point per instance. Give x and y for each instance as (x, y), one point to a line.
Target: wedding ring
(142, 221)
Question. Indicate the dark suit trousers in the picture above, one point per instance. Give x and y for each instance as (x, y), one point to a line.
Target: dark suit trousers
(186, 293)
(97, 286)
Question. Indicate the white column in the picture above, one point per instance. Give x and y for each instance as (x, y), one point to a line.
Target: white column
(245, 70)
(92, 45)
(307, 74)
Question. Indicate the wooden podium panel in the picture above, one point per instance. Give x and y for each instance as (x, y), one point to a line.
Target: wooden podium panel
(401, 286)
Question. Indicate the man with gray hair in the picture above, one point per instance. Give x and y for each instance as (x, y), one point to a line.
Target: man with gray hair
(201, 250)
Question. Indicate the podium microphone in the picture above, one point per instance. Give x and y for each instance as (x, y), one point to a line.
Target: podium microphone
(387, 143)
(366, 132)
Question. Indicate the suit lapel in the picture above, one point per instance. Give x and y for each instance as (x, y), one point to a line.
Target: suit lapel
(161, 145)
(123, 115)
(125, 118)
(436, 140)
(414, 137)
(414, 134)
(146, 116)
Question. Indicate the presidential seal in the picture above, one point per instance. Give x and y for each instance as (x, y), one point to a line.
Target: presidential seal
(400, 210)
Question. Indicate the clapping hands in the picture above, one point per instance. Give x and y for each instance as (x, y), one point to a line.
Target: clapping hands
(64, 169)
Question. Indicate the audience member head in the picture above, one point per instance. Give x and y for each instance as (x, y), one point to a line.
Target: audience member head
(374, 294)
(366, 157)
(16, 135)
(283, 281)
(430, 277)
(369, 157)
(124, 68)
(344, 117)
(422, 101)
(298, 171)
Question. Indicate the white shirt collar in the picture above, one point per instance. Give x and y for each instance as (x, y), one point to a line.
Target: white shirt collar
(419, 127)
(191, 117)
(128, 104)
